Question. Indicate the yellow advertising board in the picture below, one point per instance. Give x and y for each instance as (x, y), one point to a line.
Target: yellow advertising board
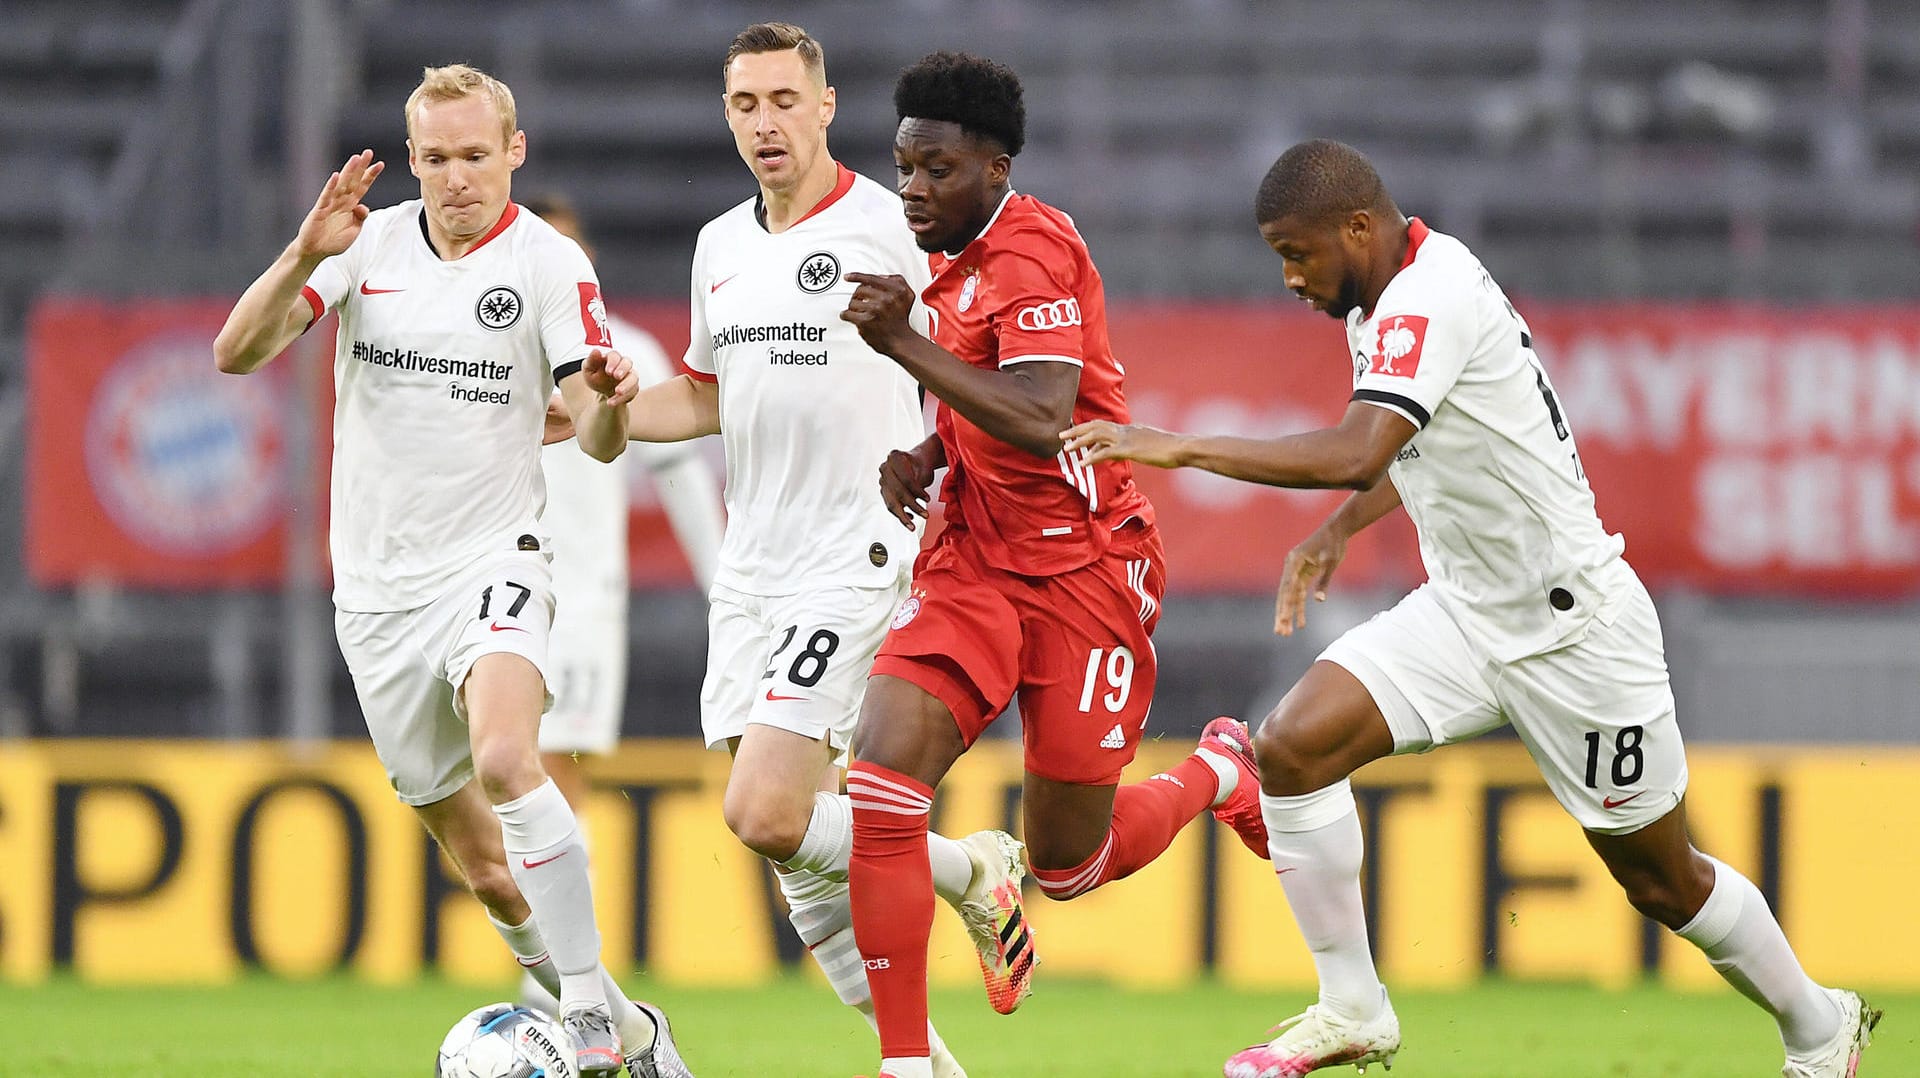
(167, 861)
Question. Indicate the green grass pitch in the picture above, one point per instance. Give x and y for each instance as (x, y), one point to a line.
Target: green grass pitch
(795, 1029)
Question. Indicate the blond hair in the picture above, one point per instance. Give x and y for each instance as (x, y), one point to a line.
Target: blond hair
(455, 81)
(779, 37)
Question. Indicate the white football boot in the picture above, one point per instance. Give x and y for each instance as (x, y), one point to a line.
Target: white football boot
(1839, 1057)
(596, 1044)
(661, 1059)
(1317, 1038)
(995, 919)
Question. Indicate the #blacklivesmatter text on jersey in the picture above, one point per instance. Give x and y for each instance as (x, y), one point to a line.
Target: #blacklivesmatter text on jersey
(795, 332)
(411, 359)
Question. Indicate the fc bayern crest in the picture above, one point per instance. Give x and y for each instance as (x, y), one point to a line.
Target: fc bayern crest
(907, 612)
(819, 271)
(966, 291)
(499, 307)
(185, 460)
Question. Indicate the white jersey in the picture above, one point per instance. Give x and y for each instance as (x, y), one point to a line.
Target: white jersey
(441, 377)
(586, 514)
(807, 411)
(1507, 525)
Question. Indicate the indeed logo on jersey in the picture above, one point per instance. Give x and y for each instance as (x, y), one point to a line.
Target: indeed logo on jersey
(1059, 314)
(1397, 351)
(412, 360)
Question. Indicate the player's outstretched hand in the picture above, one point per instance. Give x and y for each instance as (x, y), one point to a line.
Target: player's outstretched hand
(904, 481)
(879, 309)
(1103, 439)
(559, 425)
(610, 374)
(1309, 567)
(334, 222)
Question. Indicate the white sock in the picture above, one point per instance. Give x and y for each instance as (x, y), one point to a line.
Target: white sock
(634, 1025)
(1316, 848)
(1223, 770)
(1739, 935)
(530, 951)
(892, 1067)
(952, 868)
(549, 863)
(827, 846)
(822, 916)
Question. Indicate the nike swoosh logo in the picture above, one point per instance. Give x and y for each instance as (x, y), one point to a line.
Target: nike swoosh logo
(365, 291)
(499, 628)
(1284, 871)
(770, 696)
(721, 281)
(1610, 803)
(524, 863)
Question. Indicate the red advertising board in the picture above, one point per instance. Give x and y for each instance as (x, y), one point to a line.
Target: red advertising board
(1753, 450)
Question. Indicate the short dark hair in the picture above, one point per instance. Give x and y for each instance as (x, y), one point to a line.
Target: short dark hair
(778, 37)
(1318, 180)
(983, 97)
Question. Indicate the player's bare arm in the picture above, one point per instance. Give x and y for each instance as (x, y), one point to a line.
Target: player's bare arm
(1025, 406)
(675, 410)
(1310, 565)
(1351, 456)
(271, 312)
(906, 476)
(558, 426)
(597, 397)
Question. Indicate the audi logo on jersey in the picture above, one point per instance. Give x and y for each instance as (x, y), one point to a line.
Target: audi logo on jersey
(1059, 314)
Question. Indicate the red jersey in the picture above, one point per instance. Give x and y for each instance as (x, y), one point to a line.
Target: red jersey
(1024, 291)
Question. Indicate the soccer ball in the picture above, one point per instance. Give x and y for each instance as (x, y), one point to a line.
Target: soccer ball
(502, 1040)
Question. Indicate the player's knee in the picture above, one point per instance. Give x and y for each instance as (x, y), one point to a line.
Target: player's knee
(505, 770)
(771, 830)
(1657, 896)
(1286, 770)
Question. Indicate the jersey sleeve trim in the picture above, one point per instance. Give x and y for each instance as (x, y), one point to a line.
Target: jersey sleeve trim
(314, 301)
(1041, 358)
(1394, 402)
(698, 376)
(567, 370)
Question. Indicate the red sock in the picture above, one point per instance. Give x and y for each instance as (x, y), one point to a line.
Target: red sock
(1146, 817)
(892, 894)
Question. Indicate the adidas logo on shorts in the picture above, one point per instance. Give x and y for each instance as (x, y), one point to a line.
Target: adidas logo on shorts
(1115, 739)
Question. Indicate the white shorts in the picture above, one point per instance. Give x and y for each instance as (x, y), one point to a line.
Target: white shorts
(408, 667)
(794, 662)
(1596, 714)
(587, 674)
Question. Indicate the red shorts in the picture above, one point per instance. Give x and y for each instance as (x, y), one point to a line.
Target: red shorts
(1075, 647)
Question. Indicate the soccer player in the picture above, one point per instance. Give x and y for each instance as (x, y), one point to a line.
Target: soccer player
(813, 566)
(1046, 582)
(586, 517)
(1530, 616)
(459, 313)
